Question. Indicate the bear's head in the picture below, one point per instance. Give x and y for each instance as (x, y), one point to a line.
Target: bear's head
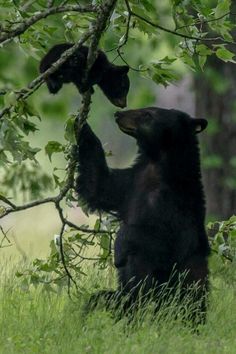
(115, 84)
(157, 129)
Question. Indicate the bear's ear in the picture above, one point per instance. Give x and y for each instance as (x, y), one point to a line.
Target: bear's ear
(124, 69)
(199, 124)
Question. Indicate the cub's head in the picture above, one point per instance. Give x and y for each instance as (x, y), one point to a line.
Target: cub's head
(115, 84)
(64, 74)
(157, 129)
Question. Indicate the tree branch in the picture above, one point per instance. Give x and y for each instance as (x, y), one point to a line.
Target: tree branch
(69, 276)
(203, 39)
(5, 237)
(27, 23)
(98, 27)
(199, 22)
(56, 200)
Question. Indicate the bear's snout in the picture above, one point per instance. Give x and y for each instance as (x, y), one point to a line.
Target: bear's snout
(126, 123)
(119, 102)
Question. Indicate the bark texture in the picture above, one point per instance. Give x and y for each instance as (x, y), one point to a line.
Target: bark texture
(216, 101)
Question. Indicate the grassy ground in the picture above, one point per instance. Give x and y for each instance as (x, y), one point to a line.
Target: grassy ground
(39, 322)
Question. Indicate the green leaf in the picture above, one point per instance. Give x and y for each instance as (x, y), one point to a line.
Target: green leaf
(202, 61)
(25, 124)
(188, 59)
(225, 55)
(160, 71)
(148, 5)
(222, 8)
(69, 130)
(53, 147)
(19, 274)
(202, 49)
(105, 245)
(57, 180)
(97, 225)
(233, 219)
(176, 2)
(10, 99)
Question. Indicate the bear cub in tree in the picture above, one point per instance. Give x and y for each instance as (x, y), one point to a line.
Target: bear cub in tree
(112, 79)
(159, 200)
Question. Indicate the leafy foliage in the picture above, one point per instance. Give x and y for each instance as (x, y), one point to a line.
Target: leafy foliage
(93, 246)
(223, 239)
(26, 178)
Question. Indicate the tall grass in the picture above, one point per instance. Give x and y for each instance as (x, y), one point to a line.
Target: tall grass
(35, 321)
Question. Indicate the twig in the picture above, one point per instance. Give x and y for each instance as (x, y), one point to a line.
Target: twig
(27, 23)
(131, 67)
(230, 259)
(186, 36)
(5, 237)
(14, 208)
(69, 276)
(126, 36)
(206, 21)
(7, 201)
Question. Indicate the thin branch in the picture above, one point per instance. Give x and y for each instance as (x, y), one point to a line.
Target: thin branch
(83, 229)
(126, 36)
(196, 23)
(131, 67)
(5, 237)
(125, 40)
(69, 276)
(27, 23)
(7, 201)
(205, 39)
(15, 208)
(228, 258)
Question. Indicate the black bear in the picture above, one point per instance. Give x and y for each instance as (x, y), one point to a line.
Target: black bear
(159, 200)
(112, 79)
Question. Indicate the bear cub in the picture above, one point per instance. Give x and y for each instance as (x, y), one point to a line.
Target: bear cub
(112, 79)
(159, 201)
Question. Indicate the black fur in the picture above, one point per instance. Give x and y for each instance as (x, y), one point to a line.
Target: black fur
(159, 200)
(112, 79)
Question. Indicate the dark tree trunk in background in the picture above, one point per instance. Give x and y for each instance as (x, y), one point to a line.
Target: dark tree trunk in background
(216, 101)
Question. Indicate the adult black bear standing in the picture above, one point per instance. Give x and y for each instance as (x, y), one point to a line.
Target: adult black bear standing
(159, 200)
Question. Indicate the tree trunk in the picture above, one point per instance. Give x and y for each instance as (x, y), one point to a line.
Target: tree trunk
(216, 101)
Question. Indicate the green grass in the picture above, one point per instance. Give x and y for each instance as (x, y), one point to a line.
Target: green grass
(34, 321)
